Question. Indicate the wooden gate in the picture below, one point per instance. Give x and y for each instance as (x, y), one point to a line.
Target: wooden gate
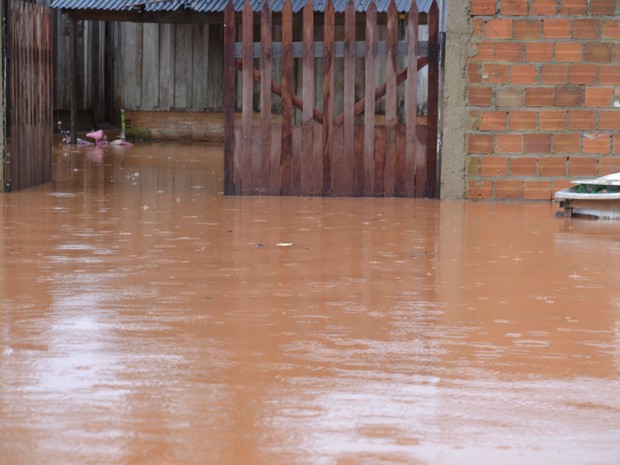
(30, 68)
(302, 150)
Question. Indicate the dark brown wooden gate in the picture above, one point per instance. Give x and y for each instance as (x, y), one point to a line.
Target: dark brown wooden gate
(30, 68)
(303, 150)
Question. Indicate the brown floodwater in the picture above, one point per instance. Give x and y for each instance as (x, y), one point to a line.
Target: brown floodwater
(146, 319)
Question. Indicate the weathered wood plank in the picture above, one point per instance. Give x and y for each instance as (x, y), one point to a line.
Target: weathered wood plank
(414, 161)
(200, 68)
(247, 99)
(131, 77)
(309, 178)
(150, 67)
(328, 99)
(287, 103)
(263, 162)
(369, 93)
(391, 100)
(347, 170)
(183, 67)
(379, 171)
(166, 66)
(214, 98)
(433, 99)
(230, 171)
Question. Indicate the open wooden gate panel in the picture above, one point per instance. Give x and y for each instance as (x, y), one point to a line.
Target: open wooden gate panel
(354, 153)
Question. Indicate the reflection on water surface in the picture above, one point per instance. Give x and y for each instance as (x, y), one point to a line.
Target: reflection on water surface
(147, 319)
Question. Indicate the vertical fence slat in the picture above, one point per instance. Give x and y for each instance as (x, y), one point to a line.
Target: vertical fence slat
(268, 166)
(229, 100)
(369, 97)
(287, 98)
(349, 169)
(247, 99)
(391, 117)
(415, 171)
(328, 98)
(310, 164)
(433, 99)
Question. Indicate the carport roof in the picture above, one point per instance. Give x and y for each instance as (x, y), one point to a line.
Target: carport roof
(218, 6)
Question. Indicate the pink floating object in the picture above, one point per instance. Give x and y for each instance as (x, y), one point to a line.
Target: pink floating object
(97, 135)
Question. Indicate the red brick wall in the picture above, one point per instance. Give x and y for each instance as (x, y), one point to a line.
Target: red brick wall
(543, 94)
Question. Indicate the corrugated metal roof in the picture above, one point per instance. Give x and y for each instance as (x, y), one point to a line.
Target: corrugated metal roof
(217, 6)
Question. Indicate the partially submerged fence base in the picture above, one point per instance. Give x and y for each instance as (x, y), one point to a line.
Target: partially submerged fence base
(328, 154)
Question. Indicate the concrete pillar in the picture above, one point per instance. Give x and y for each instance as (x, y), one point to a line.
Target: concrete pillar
(455, 117)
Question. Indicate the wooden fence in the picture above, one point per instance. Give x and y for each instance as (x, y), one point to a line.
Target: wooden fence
(327, 154)
(30, 49)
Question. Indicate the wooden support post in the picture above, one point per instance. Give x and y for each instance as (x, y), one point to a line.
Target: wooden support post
(229, 99)
(73, 78)
(433, 99)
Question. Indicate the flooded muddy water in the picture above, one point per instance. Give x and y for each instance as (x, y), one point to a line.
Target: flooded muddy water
(147, 319)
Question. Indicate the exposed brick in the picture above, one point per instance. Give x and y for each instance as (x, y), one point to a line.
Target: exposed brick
(483, 7)
(493, 166)
(508, 143)
(582, 73)
(494, 73)
(559, 184)
(498, 28)
(509, 96)
(485, 51)
(480, 96)
(596, 143)
(513, 7)
(523, 74)
(474, 120)
(473, 166)
(544, 7)
(603, 7)
(552, 120)
(616, 144)
(554, 74)
(539, 51)
(508, 189)
(473, 73)
(480, 143)
(574, 7)
(477, 26)
(521, 120)
(586, 29)
(478, 190)
(524, 166)
(581, 119)
(608, 165)
(537, 143)
(609, 120)
(539, 96)
(609, 75)
(611, 29)
(569, 51)
(527, 29)
(567, 143)
(509, 51)
(598, 52)
(582, 166)
(537, 190)
(598, 96)
(552, 166)
(555, 29)
(492, 120)
(570, 96)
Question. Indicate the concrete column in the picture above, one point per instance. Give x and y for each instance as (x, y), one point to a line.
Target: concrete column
(455, 117)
